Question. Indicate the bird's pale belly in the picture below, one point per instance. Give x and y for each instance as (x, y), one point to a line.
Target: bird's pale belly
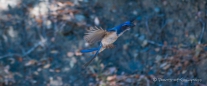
(109, 39)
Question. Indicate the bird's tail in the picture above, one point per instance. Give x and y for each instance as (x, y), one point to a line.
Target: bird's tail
(89, 50)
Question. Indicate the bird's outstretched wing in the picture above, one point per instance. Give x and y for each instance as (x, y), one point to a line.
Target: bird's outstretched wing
(94, 35)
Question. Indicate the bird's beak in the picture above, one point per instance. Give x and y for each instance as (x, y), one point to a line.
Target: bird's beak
(132, 22)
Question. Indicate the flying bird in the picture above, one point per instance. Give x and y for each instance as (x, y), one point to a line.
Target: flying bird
(106, 38)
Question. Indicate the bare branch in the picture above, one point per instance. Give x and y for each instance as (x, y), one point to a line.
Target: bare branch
(154, 43)
(32, 49)
(147, 26)
(24, 54)
(202, 32)
(10, 55)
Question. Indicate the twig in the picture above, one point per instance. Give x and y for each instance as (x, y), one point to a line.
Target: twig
(202, 32)
(147, 26)
(22, 55)
(32, 49)
(154, 43)
(9, 55)
(1, 57)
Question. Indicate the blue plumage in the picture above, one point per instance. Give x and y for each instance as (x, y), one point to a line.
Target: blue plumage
(89, 50)
(122, 27)
(106, 37)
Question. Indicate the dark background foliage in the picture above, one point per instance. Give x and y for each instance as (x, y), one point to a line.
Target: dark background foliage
(40, 42)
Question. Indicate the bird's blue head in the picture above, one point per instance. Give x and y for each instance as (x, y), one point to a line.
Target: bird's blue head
(123, 27)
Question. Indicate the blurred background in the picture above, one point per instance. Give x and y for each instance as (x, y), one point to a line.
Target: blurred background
(40, 43)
